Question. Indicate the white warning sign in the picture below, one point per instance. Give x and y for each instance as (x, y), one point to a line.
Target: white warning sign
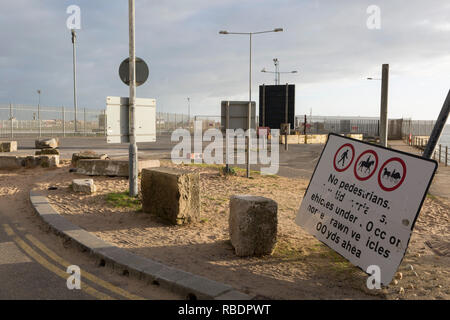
(363, 200)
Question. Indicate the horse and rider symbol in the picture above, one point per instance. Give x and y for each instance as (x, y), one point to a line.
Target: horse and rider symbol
(366, 165)
(390, 175)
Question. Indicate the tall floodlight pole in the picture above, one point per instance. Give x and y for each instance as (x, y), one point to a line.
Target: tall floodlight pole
(277, 71)
(74, 40)
(277, 74)
(133, 161)
(250, 34)
(39, 112)
(189, 112)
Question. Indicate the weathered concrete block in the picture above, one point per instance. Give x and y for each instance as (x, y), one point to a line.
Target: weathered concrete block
(46, 161)
(16, 162)
(8, 146)
(119, 168)
(84, 185)
(87, 155)
(49, 161)
(253, 225)
(47, 152)
(10, 162)
(47, 143)
(172, 194)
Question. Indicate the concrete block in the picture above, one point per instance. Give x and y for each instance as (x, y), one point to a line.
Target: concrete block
(84, 185)
(291, 139)
(253, 225)
(47, 143)
(357, 136)
(119, 168)
(47, 152)
(16, 162)
(8, 146)
(172, 194)
(87, 155)
(10, 162)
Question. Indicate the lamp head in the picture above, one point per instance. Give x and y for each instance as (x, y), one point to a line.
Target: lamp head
(278, 30)
(223, 32)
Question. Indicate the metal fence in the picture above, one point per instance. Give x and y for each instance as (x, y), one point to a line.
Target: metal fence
(327, 124)
(22, 121)
(417, 127)
(33, 121)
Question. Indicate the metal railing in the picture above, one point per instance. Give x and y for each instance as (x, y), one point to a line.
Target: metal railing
(440, 154)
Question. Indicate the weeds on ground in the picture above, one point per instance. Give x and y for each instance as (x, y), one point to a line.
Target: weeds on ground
(123, 200)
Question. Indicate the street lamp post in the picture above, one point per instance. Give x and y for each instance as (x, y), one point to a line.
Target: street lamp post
(74, 39)
(250, 34)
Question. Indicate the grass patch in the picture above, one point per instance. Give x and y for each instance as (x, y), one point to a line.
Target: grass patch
(429, 195)
(123, 200)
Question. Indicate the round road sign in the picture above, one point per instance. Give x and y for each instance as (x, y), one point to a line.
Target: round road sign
(141, 71)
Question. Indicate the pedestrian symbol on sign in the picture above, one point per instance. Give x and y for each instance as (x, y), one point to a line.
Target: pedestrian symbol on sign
(344, 157)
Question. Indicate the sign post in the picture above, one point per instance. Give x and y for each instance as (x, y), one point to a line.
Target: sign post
(363, 201)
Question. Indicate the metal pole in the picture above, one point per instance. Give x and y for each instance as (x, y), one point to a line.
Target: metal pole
(133, 161)
(286, 118)
(227, 125)
(440, 153)
(39, 114)
(11, 118)
(189, 113)
(249, 109)
(84, 122)
(104, 122)
(384, 105)
(64, 121)
(438, 127)
(264, 106)
(446, 155)
(74, 39)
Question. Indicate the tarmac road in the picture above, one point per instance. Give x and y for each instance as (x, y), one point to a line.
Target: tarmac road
(298, 162)
(34, 261)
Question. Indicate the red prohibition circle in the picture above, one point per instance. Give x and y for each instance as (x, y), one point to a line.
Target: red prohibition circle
(350, 162)
(401, 180)
(355, 169)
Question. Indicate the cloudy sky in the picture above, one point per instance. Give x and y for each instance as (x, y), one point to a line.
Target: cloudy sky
(327, 41)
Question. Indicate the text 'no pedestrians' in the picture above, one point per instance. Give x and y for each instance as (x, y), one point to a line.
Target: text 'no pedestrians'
(363, 200)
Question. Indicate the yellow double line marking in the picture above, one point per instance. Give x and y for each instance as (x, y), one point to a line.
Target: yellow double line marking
(53, 268)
